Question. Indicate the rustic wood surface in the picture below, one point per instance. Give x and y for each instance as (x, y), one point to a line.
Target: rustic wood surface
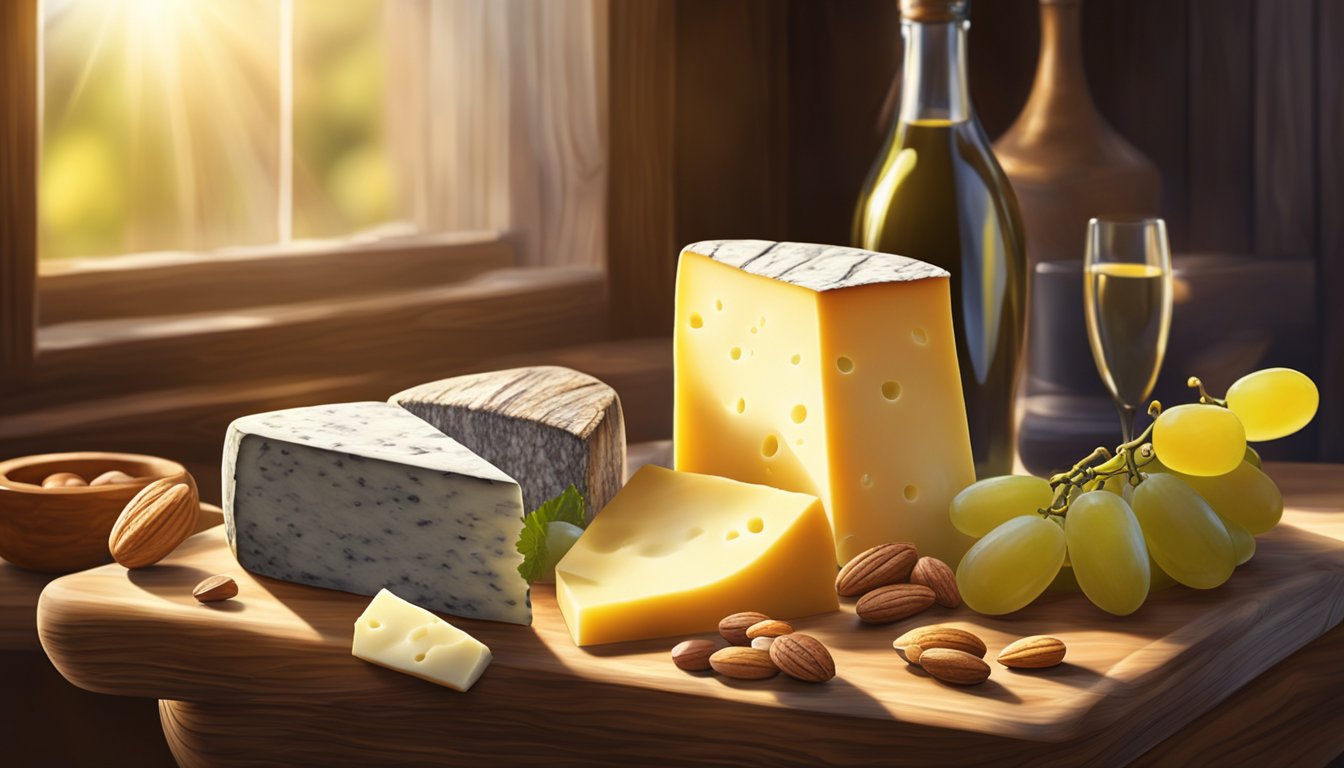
(20, 588)
(18, 183)
(242, 677)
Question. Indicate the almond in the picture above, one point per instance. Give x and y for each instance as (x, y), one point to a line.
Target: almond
(693, 655)
(743, 663)
(215, 589)
(953, 666)
(153, 523)
(734, 628)
(768, 628)
(938, 576)
(762, 643)
(802, 657)
(1035, 652)
(877, 567)
(112, 477)
(64, 480)
(893, 603)
(938, 636)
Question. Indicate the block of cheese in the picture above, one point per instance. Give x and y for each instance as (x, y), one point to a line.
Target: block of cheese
(359, 496)
(546, 427)
(395, 634)
(675, 552)
(830, 371)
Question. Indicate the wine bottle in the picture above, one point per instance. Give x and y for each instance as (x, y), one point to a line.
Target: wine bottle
(937, 194)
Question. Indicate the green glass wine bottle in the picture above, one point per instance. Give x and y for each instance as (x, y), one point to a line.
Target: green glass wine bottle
(937, 194)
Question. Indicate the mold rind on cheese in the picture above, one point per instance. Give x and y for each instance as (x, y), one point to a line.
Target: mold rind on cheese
(815, 267)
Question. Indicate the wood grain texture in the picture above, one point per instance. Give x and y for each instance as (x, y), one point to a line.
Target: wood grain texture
(20, 588)
(1128, 684)
(18, 183)
(154, 285)
(494, 313)
(1285, 124)
(641, 238)
(1330, 260)
(1220, 126)
(547, 427)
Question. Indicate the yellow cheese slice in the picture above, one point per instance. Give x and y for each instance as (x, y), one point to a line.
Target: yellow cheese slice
(398, 635)
(673, 553)
(829, 371)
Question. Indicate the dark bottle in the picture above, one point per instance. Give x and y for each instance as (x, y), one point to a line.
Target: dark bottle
(937, 194)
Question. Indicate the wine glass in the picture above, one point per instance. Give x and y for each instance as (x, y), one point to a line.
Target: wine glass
(1127, 297)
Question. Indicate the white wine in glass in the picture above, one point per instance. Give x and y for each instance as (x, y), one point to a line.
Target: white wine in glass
(1127, 295)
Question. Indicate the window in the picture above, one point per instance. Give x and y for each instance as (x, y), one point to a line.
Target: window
(195, 126)
(252, 204)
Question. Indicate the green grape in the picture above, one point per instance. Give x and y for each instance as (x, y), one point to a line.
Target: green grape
(1158, 579)
(1064, 582)
(1243, 543)
(1245, 496)
(1273, 403)
(982, 506)
(560, 538)
(1012, 565)
(1198, 439)
(1184, 536)
(1109, 556)
(1252, 457)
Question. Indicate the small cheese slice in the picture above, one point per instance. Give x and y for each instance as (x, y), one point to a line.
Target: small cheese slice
(395, 634)
(358, 496)
(675, 552)
(830, 371)
(546, 427)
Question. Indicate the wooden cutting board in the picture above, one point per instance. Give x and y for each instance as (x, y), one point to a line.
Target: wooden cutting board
(269, 676)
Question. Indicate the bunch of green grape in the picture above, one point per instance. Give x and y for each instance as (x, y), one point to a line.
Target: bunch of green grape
(1181, 503)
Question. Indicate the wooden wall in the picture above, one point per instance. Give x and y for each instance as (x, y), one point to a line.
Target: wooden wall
(777, 108)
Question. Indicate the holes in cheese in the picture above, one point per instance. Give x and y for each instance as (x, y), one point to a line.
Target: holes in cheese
(911, 493)
(735, 353)
(741, 405)
(696, 320)
(771, 550)
(718, 304)
(798, 414)
(847, 334)
(404, 637)
(769, 446)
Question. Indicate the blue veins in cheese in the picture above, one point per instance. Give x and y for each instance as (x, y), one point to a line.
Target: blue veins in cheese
(361, 496)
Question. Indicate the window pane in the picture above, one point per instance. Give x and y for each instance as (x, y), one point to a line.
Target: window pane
(160, 125)
(343, 176)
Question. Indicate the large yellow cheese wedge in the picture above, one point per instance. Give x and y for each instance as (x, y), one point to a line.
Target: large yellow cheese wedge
(674, 552)
(829, 371)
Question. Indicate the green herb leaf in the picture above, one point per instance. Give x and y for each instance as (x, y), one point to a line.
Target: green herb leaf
(569, 507)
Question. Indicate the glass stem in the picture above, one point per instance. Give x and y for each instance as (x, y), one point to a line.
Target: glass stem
(1126, 419)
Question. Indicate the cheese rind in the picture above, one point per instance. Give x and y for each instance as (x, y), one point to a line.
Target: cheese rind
(395, 634)
(830, 371)
(546, 426)
(359, 496)
(673, 553)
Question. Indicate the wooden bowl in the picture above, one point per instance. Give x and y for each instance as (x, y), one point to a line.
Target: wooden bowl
(61, 530)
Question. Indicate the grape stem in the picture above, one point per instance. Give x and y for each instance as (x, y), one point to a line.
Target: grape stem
(1204, 397)
(1128, 459)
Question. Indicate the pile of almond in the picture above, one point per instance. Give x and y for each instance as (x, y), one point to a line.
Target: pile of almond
(956, 656)
(72, 480)
(759, 647)
(893, 582)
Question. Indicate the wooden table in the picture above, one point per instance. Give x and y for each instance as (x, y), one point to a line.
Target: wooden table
(1250, 673)
(46, 721)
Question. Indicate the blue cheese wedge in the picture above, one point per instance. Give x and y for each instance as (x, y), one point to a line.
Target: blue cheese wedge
(548, 427)
(395, 634)
(361, 496)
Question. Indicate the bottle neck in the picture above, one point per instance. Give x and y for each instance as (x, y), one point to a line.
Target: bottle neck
(934, 84)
